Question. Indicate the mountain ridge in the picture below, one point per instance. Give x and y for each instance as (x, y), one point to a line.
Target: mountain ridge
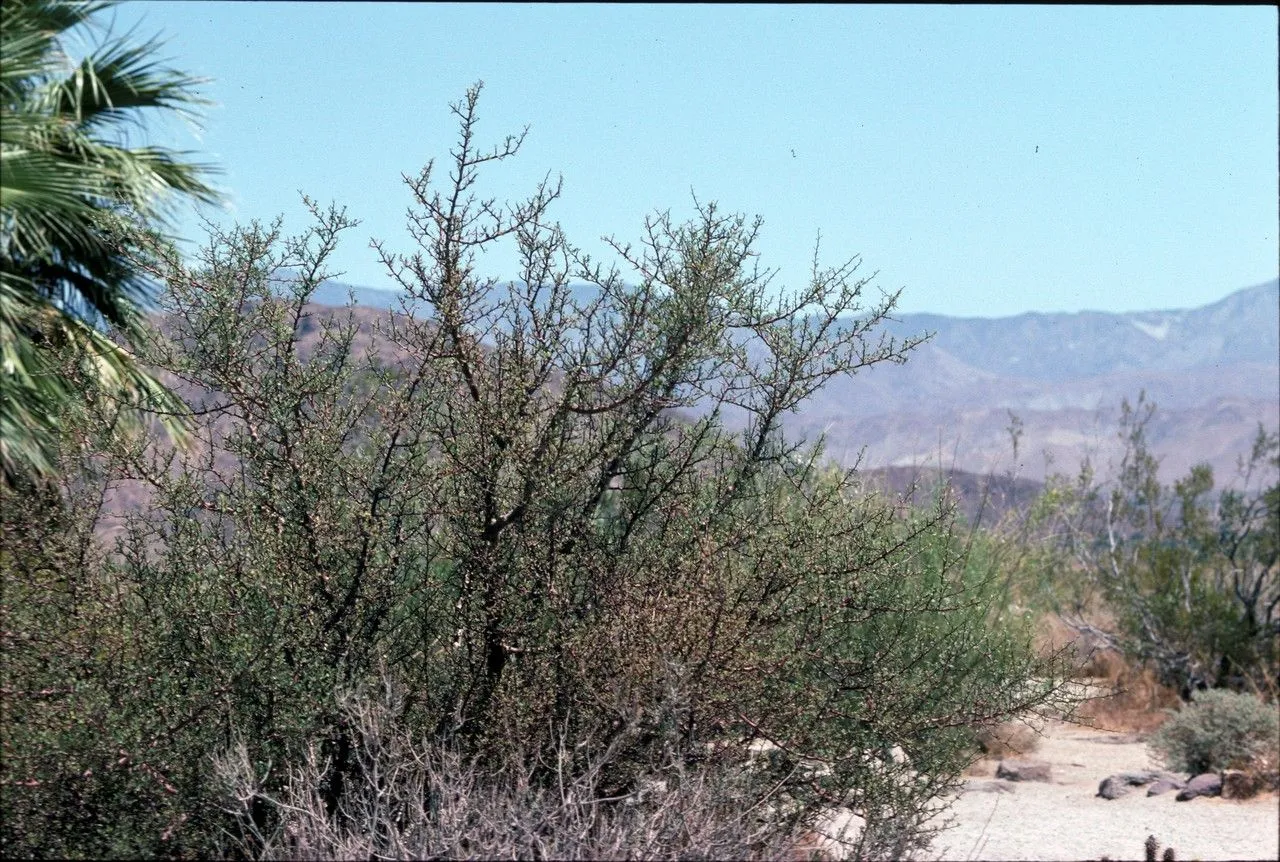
(1214, 371)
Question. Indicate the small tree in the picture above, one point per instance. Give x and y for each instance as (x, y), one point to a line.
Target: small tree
(1193, 577)
(517, 501)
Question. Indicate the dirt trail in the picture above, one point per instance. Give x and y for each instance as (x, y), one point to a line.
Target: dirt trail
(1064, 819)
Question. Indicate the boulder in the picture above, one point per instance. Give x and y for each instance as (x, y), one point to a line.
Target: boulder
(1164, 785)
(1023, 770)
(1206, 784)
(1115, 786)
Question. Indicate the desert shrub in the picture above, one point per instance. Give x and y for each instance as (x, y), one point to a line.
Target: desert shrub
(1190, 574)
(1219, 730)
(518, 502)
(1132, 698)
(1125, 693)
(243, 588)
(1094, 657)
(427, 801)
(80, 773)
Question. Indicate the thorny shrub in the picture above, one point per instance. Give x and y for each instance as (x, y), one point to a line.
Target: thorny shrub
(426, 801)
(518, 502)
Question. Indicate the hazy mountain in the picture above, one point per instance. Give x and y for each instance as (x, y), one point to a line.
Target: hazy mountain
(1214, 371)
(339, 293)
(1244, 327)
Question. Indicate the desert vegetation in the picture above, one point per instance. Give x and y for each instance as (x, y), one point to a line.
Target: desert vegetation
(1189, 574)
(490, 576)
(1222, 730)
(1169, 592)
(522, 513)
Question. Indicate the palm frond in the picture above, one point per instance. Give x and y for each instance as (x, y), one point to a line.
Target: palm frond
(109, 86)
(71, 203)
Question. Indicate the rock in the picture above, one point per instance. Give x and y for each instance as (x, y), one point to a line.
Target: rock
(1206, 784)
(1164, 785)
(1115, 786)
(1023, 770)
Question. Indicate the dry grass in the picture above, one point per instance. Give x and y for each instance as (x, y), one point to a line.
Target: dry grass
(1136, 703)
(1011, 739)
(1093, 657)
(1132, 699)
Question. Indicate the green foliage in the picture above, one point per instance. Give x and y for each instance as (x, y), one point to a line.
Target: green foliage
(1192, 576)
(520, 508)
(74, 201)
(79, 773)
(1219, 730)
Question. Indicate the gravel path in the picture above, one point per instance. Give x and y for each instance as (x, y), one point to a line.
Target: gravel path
(1064, 819)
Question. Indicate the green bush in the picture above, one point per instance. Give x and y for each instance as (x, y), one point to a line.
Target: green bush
(1219, 730)
(520, 507)
(1189, 573)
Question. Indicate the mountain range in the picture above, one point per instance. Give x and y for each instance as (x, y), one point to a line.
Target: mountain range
(1213, 371)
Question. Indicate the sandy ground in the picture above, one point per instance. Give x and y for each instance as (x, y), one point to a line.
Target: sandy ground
(1064, 819)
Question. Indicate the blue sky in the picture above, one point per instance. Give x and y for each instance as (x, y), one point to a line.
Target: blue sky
(989, 160)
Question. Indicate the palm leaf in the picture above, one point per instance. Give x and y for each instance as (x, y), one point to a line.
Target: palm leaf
(108, 86)
(66, 189)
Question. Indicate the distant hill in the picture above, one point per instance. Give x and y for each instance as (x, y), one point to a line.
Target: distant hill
(339, 293)
(1243, 327)
(1214, 371)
